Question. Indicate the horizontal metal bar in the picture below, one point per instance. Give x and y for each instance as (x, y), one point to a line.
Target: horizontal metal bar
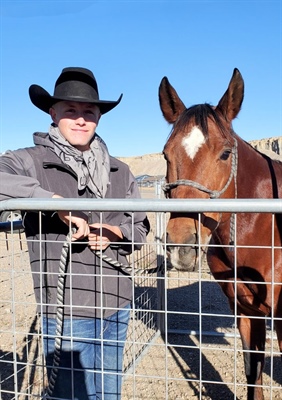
(153, 205)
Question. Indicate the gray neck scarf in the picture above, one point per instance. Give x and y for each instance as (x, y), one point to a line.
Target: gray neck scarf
(91, 166)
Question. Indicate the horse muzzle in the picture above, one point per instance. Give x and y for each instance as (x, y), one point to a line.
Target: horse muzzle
(182, 257)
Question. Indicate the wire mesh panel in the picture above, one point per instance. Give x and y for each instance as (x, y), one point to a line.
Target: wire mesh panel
(182, 340)
(20, 351)
(22, 364)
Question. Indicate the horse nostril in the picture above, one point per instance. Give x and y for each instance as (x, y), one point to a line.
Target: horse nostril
(168, 239)
(165, 238)
(168, 244)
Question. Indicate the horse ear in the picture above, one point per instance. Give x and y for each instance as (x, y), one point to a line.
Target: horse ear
(230, 103)
(170, 103)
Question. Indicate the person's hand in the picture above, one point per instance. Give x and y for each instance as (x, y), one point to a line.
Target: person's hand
(102, 235)
(74, 218)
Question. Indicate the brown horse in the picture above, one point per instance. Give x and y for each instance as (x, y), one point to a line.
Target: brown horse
(206, 159)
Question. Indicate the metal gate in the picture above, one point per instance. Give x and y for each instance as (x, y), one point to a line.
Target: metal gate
(182, 340)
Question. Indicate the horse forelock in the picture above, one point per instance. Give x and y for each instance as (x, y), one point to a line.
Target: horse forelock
(199, 115)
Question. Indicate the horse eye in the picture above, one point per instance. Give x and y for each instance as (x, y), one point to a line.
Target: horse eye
(225, 155)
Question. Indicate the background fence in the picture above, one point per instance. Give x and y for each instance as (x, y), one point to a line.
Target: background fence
(182, 341)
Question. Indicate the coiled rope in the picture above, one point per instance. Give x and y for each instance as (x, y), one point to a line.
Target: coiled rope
(60, 301)
(59, 314)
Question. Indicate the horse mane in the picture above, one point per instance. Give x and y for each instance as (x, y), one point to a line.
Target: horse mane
(200, 113)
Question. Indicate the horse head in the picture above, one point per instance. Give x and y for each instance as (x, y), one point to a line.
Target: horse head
(201, 163)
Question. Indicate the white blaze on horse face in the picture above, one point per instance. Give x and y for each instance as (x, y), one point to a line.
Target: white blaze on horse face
(193, 142)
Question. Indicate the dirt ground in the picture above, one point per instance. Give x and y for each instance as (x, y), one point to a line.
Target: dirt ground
(179, 364)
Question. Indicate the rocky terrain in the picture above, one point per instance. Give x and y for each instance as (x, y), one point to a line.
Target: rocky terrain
(269, 146)
(154, 164)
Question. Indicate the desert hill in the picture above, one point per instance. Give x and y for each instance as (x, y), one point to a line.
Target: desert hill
(154, 164)
(150, 164)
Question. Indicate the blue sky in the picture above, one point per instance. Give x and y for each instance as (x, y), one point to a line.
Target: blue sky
(130, 45)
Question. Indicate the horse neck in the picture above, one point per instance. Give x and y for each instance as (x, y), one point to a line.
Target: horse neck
(258, 176)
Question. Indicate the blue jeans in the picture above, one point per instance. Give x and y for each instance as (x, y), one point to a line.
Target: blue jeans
(91, 357)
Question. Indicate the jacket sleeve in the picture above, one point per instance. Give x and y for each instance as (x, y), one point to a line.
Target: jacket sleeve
(18, 177)
(134, 226)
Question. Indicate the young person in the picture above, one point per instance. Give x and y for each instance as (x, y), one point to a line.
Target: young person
(72, 161)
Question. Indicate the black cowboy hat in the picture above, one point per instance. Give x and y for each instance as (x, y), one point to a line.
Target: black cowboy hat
(74, 84)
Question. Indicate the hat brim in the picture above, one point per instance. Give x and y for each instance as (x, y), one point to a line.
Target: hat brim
(44, 101)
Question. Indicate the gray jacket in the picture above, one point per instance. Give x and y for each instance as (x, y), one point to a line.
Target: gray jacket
(37, 172)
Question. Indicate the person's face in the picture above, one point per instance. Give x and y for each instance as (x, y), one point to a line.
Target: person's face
(76, 121)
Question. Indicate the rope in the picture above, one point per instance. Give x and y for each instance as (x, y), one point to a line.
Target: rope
(59, 314)
(127, 268)
(232, 219)
(60, 302)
